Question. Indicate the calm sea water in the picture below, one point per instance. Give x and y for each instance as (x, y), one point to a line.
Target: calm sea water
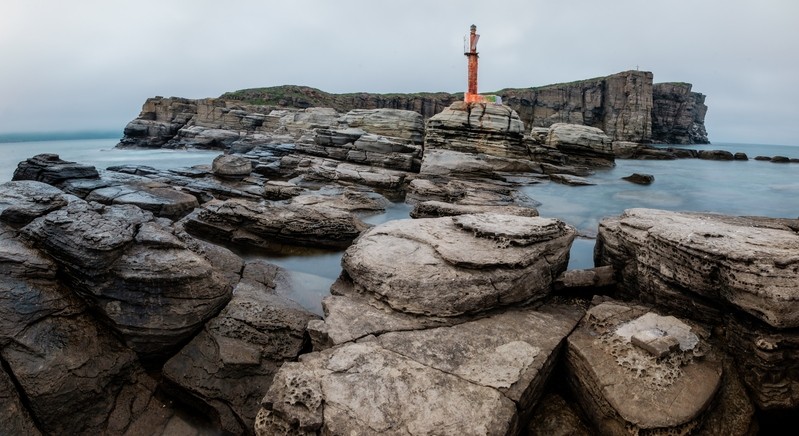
(729, 187)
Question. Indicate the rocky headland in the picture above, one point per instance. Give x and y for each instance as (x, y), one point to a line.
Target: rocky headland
(128, 308)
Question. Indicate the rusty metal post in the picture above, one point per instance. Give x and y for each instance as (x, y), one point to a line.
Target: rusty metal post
(471, 55)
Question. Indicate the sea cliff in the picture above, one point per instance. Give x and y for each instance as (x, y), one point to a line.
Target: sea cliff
(627, 106)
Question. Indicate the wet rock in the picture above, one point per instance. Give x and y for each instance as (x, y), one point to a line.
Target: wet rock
(231, 166)
(435, 209)
(152, 289)
(591, 278)
(762, 158)
(780, 159)
(640, 179)
(493, 369)
(715, 155)
(553, 416)
(477, 128)
(160, 199)
(583, 145)
(230, 363)
(21, 202)
(740, 156)
(624, 388)
(268, 225)
(568, 179)
(715, 260)
(463, 264)
(50, 169)
(13, 414)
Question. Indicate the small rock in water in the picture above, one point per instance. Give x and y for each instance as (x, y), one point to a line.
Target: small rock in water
(641, 179)
(740, 156)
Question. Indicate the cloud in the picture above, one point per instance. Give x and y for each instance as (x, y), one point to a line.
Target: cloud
(91, 64)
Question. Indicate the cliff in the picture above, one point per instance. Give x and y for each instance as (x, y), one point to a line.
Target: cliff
(678, 115)
(627, 106)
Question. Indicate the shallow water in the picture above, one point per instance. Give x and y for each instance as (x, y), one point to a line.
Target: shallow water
(730, 187)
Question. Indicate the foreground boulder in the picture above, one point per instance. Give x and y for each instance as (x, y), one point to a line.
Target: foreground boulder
(230, 363)
(132, 270)
(475, 378)
(739, 273)
(269, 225)
(583, 145)
(463, 264)
(50, 169)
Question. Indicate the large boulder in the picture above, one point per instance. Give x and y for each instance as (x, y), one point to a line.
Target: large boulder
(270, 225)
(747, 263)
(739, 273)
(231, 166)
(485, 128)
(230, 364)
(22, 201)
(584, 145)
(463, 264)
(480, 377)
(132, 270)
(637, 371)
(50, 169)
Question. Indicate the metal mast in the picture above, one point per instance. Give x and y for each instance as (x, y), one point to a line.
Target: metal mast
(471, 93)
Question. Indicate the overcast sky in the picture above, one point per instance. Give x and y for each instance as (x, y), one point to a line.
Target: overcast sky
(76, 65)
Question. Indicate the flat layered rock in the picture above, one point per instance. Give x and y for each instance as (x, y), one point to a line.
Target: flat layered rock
(22, 201)
(230, 363)
(263, 225)
(480, 377)
(584, 145)
(751, 264)
(625, 385)
(50, 169)
(452, 266)
(134, 271)
(160, 199)
(435, 209)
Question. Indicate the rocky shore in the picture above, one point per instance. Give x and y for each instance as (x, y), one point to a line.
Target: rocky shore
(127, 310)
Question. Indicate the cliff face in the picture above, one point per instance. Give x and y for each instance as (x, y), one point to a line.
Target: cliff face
(626, 106)
(678, 115)
(620, 104)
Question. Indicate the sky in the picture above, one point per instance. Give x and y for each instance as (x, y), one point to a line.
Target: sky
(85, 64)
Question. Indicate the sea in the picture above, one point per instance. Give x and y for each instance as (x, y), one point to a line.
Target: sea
(754, 188)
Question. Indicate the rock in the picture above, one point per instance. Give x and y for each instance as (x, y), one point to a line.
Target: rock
(762, 158)
(477, 128)
(683, 153)
(715, 155)
(21, 202)
(349, 200)
(268, 225)
(231, 166)
(625, 389)
(568, 179)
(780, 159)
(134, 272)
(640, 179)
(160, 199)
(576, 279)
(449, 163)
(463, 264)
(314, 169)
(13, 414)
(748, 263)
(583, 145)
(435, 209)
(678, 115)
(50, 169)
(277, 190)
(740, 156)
(625, 149)
(231, 362)
(553, 416)
(620, 104)
(492, 370)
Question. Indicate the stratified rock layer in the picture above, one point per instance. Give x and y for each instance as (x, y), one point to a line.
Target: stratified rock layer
(463, 264)
(626, 387)
(474, 378)
(751, 264)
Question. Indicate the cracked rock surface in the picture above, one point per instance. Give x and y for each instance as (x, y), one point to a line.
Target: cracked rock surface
(456, 265)
(479, 377)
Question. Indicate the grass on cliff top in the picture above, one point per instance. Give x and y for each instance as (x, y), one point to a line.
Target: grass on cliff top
(305, 96)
